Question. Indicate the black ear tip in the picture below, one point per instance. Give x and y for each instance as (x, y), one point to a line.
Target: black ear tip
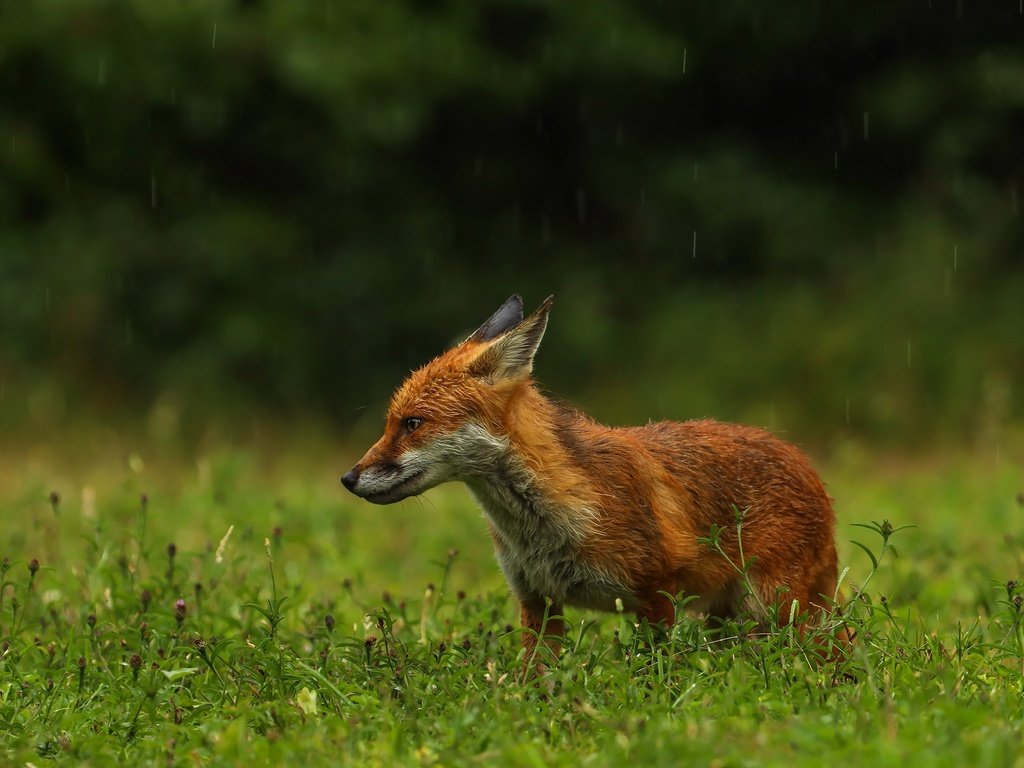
(508, 316)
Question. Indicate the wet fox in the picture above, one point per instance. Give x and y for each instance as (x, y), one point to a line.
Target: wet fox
(598, 517)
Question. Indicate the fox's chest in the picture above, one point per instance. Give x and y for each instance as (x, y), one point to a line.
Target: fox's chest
(540, 549)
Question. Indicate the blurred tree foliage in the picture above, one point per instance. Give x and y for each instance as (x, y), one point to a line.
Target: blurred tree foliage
(806, 217)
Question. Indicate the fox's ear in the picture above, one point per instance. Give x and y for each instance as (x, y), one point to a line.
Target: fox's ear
(508, 316)
(510, 355)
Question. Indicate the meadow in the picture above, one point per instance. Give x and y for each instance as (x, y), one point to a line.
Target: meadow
(234, 605)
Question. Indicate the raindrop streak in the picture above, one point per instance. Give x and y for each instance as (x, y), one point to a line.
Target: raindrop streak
(47, 300)
(101, 72)
(213, 44)
(954, 256)
(847, 411)
(684, 57)
(152, 191)
(867, 125)
(695, 243)
(908, 353)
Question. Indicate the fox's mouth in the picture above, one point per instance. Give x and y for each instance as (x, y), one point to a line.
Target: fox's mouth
(403, 489)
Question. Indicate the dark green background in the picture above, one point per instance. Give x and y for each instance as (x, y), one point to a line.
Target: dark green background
(803, 215)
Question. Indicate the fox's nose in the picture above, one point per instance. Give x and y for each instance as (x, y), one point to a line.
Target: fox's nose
(350, 478)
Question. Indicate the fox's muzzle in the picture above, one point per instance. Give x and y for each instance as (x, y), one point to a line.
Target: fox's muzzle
(384, 484)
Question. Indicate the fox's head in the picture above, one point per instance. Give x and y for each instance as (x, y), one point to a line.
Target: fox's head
(447, 421)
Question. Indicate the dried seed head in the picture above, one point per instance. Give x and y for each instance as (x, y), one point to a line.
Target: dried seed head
(91, 620)
(179, 611)
(33, 566)
(135, 662)
(144, 597)
(329, 622)
(200, 645)
(54, 499)
(81, 662)
(370, 641)
(172, 550)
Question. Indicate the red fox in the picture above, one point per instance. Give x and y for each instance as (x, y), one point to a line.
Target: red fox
(597, 517)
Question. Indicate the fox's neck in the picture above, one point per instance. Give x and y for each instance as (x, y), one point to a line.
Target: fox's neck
(542, 507)
(533, 478)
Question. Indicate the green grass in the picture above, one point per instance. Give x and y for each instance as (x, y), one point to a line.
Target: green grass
(418, 663)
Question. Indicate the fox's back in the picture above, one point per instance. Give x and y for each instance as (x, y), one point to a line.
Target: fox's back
(721, 466)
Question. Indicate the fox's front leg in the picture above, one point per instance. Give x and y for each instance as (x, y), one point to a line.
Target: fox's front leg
(657, 609)
(541, 621)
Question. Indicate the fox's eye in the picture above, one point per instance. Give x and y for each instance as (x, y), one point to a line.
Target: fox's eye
(412, 424)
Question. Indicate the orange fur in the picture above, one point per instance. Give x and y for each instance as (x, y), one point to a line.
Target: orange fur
(587, 514)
